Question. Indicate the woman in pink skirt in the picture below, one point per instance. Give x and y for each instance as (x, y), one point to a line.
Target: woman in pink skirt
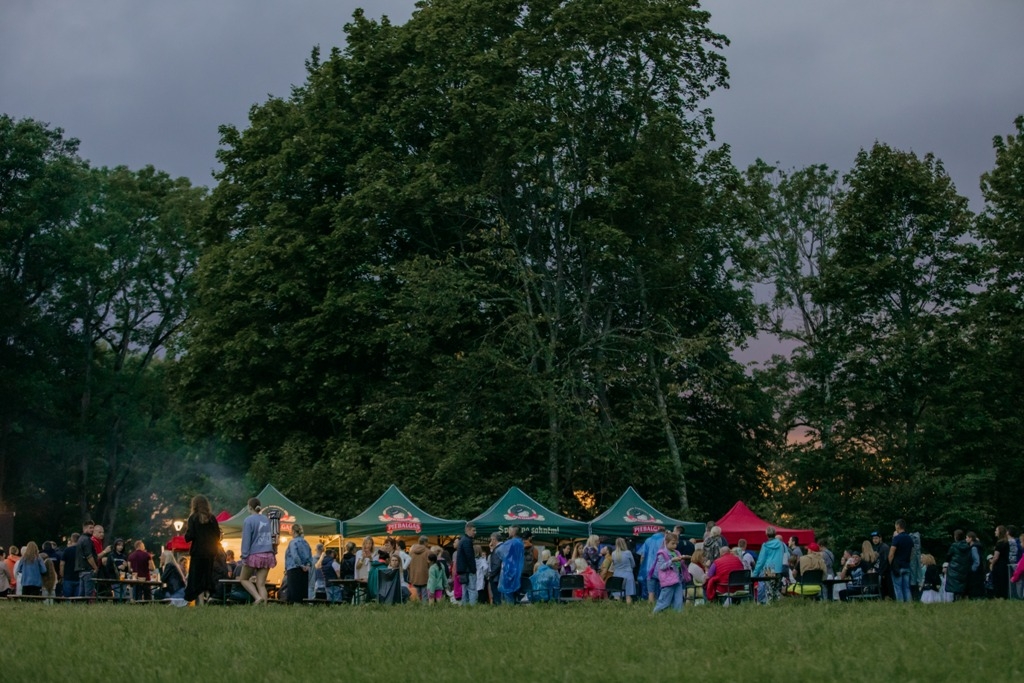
(258, 556)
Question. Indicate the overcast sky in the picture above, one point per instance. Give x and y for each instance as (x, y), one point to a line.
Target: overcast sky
(145, 82)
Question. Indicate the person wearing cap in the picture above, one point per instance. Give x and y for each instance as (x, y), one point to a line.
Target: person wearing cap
(881, 563)
(853, 574)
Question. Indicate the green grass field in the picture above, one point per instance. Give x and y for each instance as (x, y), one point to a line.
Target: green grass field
(790, 641)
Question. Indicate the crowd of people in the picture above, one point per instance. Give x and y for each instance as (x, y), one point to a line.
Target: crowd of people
(665, 569)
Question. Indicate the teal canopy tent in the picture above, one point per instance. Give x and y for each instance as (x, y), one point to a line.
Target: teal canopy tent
(395, 515)
(631, 515)
(515, 508)
(291, 513)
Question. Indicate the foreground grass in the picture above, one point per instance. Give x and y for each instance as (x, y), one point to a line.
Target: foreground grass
(584, 642)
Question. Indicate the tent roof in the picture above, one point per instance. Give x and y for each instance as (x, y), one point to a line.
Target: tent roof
(312, 523)
(741, 522)
(394, 513)
(631, 515)
(515, 508)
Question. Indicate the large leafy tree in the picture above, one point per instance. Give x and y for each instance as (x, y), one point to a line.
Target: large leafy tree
(491, 240)
(881, 273)
(124, 296)
(997, 326)
(93, 273)
(42, 190)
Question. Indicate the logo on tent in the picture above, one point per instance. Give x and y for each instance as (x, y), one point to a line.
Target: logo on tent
(646, 523)
(520, 512)
(399, 519)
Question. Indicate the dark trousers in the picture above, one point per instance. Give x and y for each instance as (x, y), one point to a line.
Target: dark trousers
(297, 585)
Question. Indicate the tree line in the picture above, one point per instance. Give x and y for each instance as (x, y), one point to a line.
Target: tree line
(499, 244)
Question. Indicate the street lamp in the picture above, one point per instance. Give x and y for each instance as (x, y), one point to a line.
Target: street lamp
(178, 524)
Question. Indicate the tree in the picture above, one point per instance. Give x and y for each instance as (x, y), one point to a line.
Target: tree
(125, 297)
(995, 322)
(482, 241)
(41, 192)
(876, 379)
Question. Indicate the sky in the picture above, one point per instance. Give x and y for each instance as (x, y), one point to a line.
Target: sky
(811, 81)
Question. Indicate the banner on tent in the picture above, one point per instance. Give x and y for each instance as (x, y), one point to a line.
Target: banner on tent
(645, 521)
(535, 530)
(397, 518)
(523, 513)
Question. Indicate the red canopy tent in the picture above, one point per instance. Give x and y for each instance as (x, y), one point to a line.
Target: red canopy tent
(741, 522)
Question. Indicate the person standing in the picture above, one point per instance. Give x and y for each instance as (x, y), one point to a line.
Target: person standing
(999, 565)
(772, 560)
(622, 567)
(257, 554)
(6, 577)
(298, 559)
(494, 568)
(13, 555)
(1016, 554)
(86, 562)
(419, 568)
(315, 585)
(203, 532)
(511, 566)
(958, 571)
(141, 564)
(465, 565)
(667, 564)
(69, 583)
(900, 552)
(648, 577)
(976, 584)
(31, 569)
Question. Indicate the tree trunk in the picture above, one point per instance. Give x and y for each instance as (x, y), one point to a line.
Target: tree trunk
(670, 437)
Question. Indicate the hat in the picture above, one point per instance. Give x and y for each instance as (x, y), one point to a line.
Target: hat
(814, 547)
(855, 552)
(875, 533)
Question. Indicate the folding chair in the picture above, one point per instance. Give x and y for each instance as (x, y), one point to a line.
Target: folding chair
(567, 587)
(615, 586)
(871, 589)
(738, 587)
(809, 580)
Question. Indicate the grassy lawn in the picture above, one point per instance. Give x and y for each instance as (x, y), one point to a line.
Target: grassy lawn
(583, 642)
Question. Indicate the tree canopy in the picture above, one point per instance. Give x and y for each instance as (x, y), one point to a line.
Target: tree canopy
(499, 245)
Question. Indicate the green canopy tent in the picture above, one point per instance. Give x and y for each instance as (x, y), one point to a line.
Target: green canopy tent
(631, 515)
(291, 513)
(515, 508)
(394, 514)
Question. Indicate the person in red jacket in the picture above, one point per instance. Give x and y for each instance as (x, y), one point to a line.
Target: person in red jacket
(718, 574)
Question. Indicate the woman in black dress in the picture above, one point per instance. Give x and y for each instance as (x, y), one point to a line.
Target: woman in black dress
(203, 532)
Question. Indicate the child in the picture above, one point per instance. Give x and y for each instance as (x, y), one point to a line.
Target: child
(667, 563)
(435, 580)
(481, 572)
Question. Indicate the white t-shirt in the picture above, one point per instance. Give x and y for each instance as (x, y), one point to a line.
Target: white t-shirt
(363, 568)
